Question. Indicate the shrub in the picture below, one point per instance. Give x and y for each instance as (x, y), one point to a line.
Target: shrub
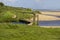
(7, 16)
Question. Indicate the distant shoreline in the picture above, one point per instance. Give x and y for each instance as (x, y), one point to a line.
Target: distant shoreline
(44, 17)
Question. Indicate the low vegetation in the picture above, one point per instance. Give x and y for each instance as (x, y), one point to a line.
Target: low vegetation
(7, 12)
(9, 31)
(15, 31)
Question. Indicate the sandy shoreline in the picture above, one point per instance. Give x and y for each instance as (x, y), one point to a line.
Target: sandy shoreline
(44, 17)
(49, 18)
(50, 26)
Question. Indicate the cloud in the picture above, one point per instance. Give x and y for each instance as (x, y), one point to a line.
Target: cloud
(11, 0)
(37, 0)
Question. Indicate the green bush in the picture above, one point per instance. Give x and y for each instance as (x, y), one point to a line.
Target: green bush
(7, 16)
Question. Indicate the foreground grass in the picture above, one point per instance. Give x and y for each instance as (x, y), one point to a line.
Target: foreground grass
(24, 32)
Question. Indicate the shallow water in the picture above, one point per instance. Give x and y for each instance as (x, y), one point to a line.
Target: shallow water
(49, 23)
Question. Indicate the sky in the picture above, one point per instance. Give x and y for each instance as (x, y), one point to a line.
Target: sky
(35, 4)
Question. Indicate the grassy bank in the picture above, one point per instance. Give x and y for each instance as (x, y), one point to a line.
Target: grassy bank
(10, 31)
(7, 13)
(24, 32)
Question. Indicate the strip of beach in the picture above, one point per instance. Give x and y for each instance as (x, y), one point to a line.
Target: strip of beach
(48, 16)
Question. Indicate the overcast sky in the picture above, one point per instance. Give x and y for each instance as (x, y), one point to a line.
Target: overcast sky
(35, 4)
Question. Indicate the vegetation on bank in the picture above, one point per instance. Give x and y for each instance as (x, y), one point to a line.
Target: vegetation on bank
(9, 31)
(14, 14)
(12, 31)
(7, 12)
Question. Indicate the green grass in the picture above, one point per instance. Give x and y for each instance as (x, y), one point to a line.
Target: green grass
(9, 31)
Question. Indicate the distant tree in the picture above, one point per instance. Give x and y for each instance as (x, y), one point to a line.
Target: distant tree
(1, 4)
(1, 7)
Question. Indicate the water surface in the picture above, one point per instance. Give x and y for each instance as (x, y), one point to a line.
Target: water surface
(49, 23)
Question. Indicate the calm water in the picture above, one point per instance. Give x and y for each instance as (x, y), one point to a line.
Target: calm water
(49, 23)
(44, 23)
